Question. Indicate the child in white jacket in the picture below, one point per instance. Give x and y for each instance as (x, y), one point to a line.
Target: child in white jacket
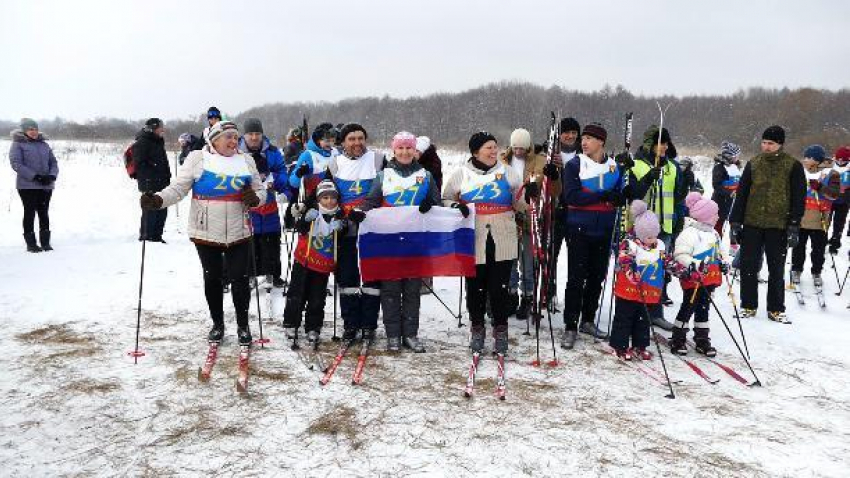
(698, 252)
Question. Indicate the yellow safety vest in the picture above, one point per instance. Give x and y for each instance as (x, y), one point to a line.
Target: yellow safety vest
(666, 198)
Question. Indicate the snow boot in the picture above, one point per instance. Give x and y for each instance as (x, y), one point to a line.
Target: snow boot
(677, 342)
(216, 333)
(349, 335)
(44, 239)
(368, 336)
(834, 245)
(662, 322)
(642, 353)
(414, 344)
(476, 341)
(313, 339)
(625, 354)
(780, 317)
(393, 344)
(568, 339)
(795, 278)
(29, 238)
(590, 329)
(702, 344)
(500, 339)
(816, 278)
(748, 313)
(244, 334)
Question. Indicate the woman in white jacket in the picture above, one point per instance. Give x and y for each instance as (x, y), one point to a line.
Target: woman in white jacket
(224, 184)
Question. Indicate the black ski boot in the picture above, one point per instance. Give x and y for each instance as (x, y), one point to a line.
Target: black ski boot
(500, 339)
(678, 341)
(412, 342)
(29, 238)
(244, 334)
(216, 333)
(476, 342)
(368, 336)
(349, 335)
(702, 344)
(278, 283)
(44, 239)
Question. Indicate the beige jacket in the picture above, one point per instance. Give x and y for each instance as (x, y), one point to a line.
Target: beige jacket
(502, 226)
(214, 222)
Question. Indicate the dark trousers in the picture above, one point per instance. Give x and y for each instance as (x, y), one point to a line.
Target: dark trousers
(267, 254)
(152, 224)
(307, 291)
(698, 308)
(587, 266)
(630, 323)
(238, 268)
(491, 281)
(559, 237)
(839, 219)
(755, 243)
(798, 254)
(359, 305)
(36, 201)
(400, 306)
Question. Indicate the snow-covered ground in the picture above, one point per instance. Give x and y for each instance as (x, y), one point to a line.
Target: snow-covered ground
(75, 404)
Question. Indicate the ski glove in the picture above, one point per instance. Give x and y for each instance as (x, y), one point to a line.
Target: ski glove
(724, 268)
(249, 197)
(425, 205)
(793, 232)
(311, 215)
(302, 170)
(653, 174)
(615, 197)
(463, 208)
(38, 178)
(532, 191)
(624, 160)
(552, 172)
(735, 231)
(150, 201)
(357, 216)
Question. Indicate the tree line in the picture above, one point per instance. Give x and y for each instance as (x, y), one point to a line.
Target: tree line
(698, 122)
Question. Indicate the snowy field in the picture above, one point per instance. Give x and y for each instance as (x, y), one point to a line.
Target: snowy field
(74, 404)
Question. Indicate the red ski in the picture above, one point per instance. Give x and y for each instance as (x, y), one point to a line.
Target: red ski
(470, 380)
(242, 379)
(205, 371)
(500, 377)
(361, 363)
(329, 373)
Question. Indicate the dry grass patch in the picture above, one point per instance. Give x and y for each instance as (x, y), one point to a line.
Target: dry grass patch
(339, 422)
(55, 334)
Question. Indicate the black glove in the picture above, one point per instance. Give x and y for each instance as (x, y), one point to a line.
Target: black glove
(425, 205)
(552, 172)
(532, 191)
(303, 227)
(356, 216)
(735, 230)
(302, 170)
(340, 214)
(249, 197)
(463, 208)
(48, 179)
(615, 197)
(724, 268)
(793, 232)
(150, 201)
(653, 174)
(624, 160)
(38, 178)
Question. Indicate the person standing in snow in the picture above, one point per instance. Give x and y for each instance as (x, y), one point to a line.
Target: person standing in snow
(702, 262)
(265, 219)
(842, 204)
(313, 162)
(822, 187)
(224, 183)
(36, 167)
(765, 220)
(403, 182)
(569, 142)
(593, 190)
(724, 180)
(353, 172)
(529, 166)
(493, 187)
(152, 175)
(294, 147)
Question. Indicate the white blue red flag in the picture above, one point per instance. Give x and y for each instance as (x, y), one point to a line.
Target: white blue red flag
(402, 243)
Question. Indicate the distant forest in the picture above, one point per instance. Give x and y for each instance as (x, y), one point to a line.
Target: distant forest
(698, 123)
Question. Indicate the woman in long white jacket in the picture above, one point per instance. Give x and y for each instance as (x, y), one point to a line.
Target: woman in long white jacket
(224, 184)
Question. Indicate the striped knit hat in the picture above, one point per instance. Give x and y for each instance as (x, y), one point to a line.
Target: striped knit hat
(220, 128)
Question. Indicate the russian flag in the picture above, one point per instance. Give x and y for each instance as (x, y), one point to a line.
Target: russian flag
(402, 243)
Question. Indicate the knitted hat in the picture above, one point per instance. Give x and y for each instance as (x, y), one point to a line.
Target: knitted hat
(595, 130)
(423, 143)
(842, 153)
(323, 131)
(28, 123)
(702, 209)
(650, 137)
(213, 112)
(350, 128)
(729, 150)
(774, 133)
(646, 222)
(153, 124)
(477, 140)
(253, 125)
(220, 128)
(816, 152)
(404, 139)
(326, 186)
(521, 138)
(570, 124)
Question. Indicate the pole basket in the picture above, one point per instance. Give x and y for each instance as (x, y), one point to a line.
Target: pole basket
(262, 342)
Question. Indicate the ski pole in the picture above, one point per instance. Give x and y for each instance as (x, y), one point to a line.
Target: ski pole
(672, 394)
(835, 269)
(841, 288)
(757, 383)
(262, 341)
(731, 295)
(425, 283)
(614, 239)
(460, 304)
(136, 353)
(521, 248)
(335, 337)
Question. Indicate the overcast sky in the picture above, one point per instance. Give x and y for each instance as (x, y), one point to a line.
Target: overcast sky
(82, 59)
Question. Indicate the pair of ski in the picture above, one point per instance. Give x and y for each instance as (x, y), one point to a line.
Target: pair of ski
(699, 371)
(501, 384)
(357, 377)
(638, 365)
(802, 301)
(205, 372)
(310, 357)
